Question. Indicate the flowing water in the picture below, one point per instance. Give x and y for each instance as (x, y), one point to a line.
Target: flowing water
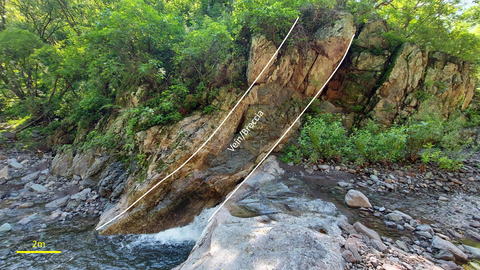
(82, 248)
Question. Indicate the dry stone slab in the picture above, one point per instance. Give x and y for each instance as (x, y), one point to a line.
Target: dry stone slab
(366, 231)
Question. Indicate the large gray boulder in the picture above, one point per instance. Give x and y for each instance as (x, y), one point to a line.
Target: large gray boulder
(441, 244)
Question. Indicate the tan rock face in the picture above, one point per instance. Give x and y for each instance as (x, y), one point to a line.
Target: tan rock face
(392, 85)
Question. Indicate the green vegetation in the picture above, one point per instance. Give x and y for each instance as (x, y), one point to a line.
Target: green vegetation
(70, 65)
(434, 140)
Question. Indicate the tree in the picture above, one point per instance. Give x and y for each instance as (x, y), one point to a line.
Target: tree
(18, 71)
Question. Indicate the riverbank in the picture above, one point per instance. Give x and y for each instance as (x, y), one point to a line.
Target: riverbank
(414, 209)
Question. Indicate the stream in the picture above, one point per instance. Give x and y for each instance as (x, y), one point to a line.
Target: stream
(82, 248)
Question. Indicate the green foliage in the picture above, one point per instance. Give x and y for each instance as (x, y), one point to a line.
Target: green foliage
(291, 153)
(324, 137)
(438, 24)
(268, 17)
(96, 139)
(440, 158)
(374, 143)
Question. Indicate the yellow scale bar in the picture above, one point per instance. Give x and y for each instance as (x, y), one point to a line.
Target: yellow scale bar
(54, 251)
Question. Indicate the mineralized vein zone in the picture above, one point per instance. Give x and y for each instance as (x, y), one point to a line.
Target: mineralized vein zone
(244, 132)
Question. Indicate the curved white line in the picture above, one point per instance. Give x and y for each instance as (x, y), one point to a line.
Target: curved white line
(260, 163)
(248, 90)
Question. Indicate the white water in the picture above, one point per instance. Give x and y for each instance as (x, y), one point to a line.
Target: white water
(188, 233)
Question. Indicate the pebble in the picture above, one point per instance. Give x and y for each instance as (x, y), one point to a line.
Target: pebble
(24, 221)
(5, 227)
(38, 188)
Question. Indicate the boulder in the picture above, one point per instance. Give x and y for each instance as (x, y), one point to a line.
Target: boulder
(348, 256)
(82, 195)
(14, 163)
(30, 177)
(238, 237)
(441, 244)
(58, 202)
(366, 231)
(355, 198)
(38, 188)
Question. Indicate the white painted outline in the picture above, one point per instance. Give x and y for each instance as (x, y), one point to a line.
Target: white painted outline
(294, 122)
(248, 90)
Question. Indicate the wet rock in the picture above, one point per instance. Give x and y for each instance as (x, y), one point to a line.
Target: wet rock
(441, 244)
(366, 231)
(5, 227)
(38, 188)
(442, 198)
(355, 198)
(58, 202)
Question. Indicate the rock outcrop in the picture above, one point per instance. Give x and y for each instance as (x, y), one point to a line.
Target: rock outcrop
(215, 170)
(377, 81)
(390, 84)
(269, 224)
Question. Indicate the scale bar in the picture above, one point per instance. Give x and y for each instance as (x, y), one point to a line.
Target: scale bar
(38, 251)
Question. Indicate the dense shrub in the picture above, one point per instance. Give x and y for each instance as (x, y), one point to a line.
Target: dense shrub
(434, 139)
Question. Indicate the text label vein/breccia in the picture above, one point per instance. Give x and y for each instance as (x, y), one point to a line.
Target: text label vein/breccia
(244, 132)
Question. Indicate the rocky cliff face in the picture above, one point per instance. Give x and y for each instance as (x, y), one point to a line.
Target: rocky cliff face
(391, 84)
(377, 81)
(215, 170)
